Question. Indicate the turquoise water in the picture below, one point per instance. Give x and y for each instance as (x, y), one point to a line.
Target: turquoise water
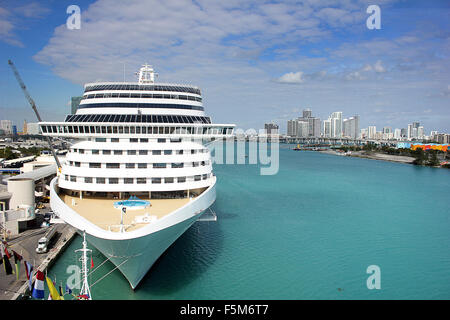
(309, 232)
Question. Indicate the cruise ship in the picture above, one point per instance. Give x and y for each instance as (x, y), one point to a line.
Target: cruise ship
(138, 173)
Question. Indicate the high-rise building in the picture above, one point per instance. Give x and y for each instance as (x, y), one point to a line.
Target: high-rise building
(24, 130)
(409, 133)
(351, 127)
(6, 125)
(403, 133)
(327, 128)
(313, 125)
(420, 132)
(291, 128)
(336, 124)
(371, 132)
(302, 129)
(307, 113)
(398, 134)
(75, 104)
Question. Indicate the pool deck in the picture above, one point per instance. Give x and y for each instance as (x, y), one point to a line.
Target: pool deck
(102, 213)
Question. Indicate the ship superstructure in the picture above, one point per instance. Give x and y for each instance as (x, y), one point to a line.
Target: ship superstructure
(143, 140)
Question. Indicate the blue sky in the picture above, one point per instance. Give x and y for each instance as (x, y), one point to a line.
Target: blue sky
(255, 61)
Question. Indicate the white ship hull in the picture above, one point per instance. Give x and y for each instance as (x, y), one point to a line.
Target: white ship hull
(135, 252)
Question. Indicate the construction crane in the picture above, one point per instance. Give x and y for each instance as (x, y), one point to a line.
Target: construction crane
(33, 105)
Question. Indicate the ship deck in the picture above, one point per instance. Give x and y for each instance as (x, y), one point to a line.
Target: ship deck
(101, 211)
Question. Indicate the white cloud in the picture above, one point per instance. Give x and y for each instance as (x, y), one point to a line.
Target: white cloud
(292, 78)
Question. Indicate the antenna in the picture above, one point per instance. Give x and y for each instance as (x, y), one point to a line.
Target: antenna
(84, 269)
(33, 105)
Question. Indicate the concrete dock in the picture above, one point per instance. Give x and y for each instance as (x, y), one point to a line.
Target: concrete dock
(25, 244)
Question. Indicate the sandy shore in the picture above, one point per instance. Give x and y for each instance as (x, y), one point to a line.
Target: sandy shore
(375, 156)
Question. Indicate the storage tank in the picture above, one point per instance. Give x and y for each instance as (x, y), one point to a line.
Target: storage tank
(22, 190)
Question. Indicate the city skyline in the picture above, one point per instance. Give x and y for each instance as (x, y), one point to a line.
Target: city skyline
(263, 61)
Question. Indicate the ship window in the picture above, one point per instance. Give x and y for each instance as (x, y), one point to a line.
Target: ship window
(161, 140)
(112, 165)
(156, 152)
(141, 180)
(167, 152)
(120, 130)
(73, 179)
(195, 164)
(144, 130)
(77, 164)
(161, 130)
(107, 152)
(133, 140)
(114, 139)
(70, 129)
(88, 180)
(109, 129)
(197, 178)
(130, 165)
(117, 152)
(138, 129)
(177, 165)
(113, 180)
(128, 180)
(44, 129)
(143, 140)
(159, 165)
(103, 129)
(149, 130)
(81, 151)
(156, 180)
(168, 180)
(75, 129)
(205, 176)
(127, 129)
(127, 118)
(95, 151)
(179, 151)
(166, 130)
(132, 129)
(181, 179)
(142, 165)
(143, 152)
(100, 139)
(131, 152)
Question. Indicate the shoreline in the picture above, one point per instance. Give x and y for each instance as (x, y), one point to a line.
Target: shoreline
(374, 156)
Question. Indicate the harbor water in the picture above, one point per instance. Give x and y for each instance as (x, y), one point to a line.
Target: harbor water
(308, 232)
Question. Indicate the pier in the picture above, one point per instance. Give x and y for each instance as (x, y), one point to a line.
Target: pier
(25, 245)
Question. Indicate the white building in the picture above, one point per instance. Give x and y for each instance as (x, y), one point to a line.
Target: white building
(6, 125)
(33, 128)
(371, 132)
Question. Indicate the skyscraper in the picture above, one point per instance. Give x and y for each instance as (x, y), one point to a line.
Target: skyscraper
(351, 127)
(336, 124)
(313, 125)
